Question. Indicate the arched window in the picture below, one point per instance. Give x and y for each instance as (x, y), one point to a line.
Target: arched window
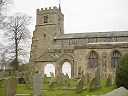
(93, 60)
(66, 69)
(46, 19)
(49, 70)
(115, 58)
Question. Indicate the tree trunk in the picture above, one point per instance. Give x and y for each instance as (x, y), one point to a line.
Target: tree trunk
(16, 52)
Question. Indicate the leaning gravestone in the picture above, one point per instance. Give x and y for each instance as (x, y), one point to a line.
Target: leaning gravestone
(118, 92)
(10, 86)
(37, 85)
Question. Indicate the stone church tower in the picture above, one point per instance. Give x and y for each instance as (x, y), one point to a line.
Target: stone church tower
(49, 24)
(95, 53)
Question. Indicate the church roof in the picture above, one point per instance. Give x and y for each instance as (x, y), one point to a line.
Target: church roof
(92, 34)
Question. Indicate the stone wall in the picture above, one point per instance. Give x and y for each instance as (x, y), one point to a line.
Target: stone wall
(51, 45)
(83, 41)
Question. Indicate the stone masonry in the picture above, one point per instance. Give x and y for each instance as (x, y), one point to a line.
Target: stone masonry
(85, 51)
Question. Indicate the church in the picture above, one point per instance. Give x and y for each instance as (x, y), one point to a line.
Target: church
(88, 53)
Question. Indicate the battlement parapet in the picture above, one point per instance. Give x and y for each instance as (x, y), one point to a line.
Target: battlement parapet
(48, 10)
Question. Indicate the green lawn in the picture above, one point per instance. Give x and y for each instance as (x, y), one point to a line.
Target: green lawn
(58, 90)
(61, 92)
(2, 88)
(23, 89)
(73, 92)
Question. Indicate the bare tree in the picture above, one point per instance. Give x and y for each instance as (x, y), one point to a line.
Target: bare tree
(17, 33)
(4, 4)
(3, 59)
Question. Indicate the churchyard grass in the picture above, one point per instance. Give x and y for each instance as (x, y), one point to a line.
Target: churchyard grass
(72, 84)
(2, 88)
(73, 93)
(22, 89)
(60, 91)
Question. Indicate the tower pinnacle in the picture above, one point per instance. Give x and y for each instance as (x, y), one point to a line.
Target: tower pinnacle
(60, 5)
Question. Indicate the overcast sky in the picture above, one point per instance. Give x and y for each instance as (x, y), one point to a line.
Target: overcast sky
(83, 15)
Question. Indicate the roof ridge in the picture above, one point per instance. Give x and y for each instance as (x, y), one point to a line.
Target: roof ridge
(92, 34)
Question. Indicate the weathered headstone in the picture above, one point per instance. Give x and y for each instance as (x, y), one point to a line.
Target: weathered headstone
(37, 85)
(51, 74)
(79, 85)
(60, 79)
(10, 86)
(45, 78)
(52, 82)
(109, 80)
(66, 80)
(80, 82)
(94, 84)
(118, 92)
(87, 78)
(97, 76)
(28, 79)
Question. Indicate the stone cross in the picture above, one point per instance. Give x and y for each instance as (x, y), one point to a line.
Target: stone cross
(37, 85)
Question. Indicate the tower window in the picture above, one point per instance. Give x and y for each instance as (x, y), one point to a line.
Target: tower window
(45, 19)
(44, 35)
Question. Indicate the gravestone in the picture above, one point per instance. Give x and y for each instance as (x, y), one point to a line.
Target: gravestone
(10, 86)
(45, 79)
(52, 82)
(79, 85)
(109, 80)
(97, 76)
(51, 74)
(80, 82)
(37, 85)
(21, 80)
(92, 84)
(66, 80)
(118, 92)
(60, 79)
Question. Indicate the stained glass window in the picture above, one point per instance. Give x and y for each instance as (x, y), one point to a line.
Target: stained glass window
(115, 58)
